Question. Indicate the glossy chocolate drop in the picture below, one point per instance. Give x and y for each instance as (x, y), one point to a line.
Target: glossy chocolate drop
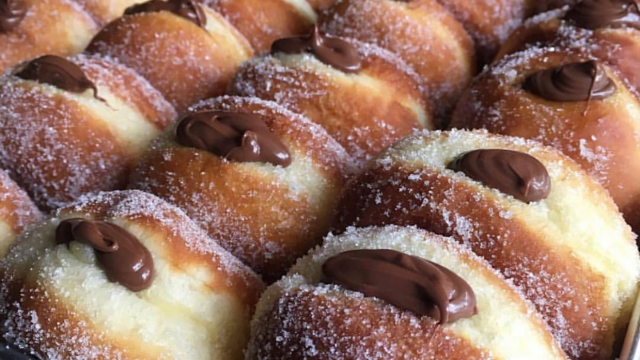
(581, 81)
(59, 72)
(514, 173)
(120, 254)
(11, 14)
(330, 50)
(239, 137)
(407, 282)
(187, 9)
(596, 14)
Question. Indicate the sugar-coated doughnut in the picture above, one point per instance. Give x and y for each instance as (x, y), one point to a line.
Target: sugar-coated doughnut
(263, 181)
(75, 126)
(17, 211)
(531, 212)
(310, 315)
(124, 275)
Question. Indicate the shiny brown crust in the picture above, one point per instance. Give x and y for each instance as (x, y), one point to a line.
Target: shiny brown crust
(551, 276)
(65, 150)
(599, 135)
(489, 22)
(253, 210)
(41, 33)
(65, 332)
(618, 47)
(104, 11)
(363, 121)
(263, 21)
(422, 32)
(194, 64)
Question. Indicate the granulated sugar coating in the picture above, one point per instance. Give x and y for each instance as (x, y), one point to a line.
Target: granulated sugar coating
(559, 251)
(57, 302)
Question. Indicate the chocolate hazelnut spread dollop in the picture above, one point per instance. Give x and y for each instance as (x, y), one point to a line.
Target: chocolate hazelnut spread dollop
(581, 81)
(124, 259)
(514, 173)
(407, 282)
(332, 51)
(59, 72)
(233, 136)
(595, 14)
(187, 9)
(11, 14)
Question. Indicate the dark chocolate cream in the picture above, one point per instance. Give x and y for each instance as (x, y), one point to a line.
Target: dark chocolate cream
(332, 51)
(11, 14)
(514, 173)
(407, 282)
(580, 81)
(187, 9)
(595, 14)
(124, 259)
(59, 72)
(234, 136)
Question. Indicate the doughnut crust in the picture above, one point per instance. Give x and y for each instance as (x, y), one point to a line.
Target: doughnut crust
(598, 134)
(59, 145)
(40, 32)
(571, 254)
(17, 211)
(196, 63)
(264, 21)
(265, 215)
(366, 112)
(346, 325)
(58, 304)
(422, 32)
(617, 46)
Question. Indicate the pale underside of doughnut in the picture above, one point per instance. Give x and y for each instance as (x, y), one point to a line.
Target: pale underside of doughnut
(346, 325)
(571, 253)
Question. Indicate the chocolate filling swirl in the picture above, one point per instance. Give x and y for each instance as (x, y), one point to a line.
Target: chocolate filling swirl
(596, 14)
(407, 282)
(59, 72)
(120, 254)
(514, 173)
(330, 50)
(187, 9)
(580, 81)
(234, 136)
(11, 14)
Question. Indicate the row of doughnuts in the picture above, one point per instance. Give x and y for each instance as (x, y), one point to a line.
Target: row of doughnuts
(217, 164)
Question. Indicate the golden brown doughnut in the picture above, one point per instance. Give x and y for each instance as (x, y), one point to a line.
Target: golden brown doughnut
(187, 58)
(264, 21)
(598, 134)
(17, 211)
(304, 317)
(28, 29)
(64, 140)
(422, 32)
(59, 300)
(265, 214)
(570, 252)
(601, 29)
(365, 110)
